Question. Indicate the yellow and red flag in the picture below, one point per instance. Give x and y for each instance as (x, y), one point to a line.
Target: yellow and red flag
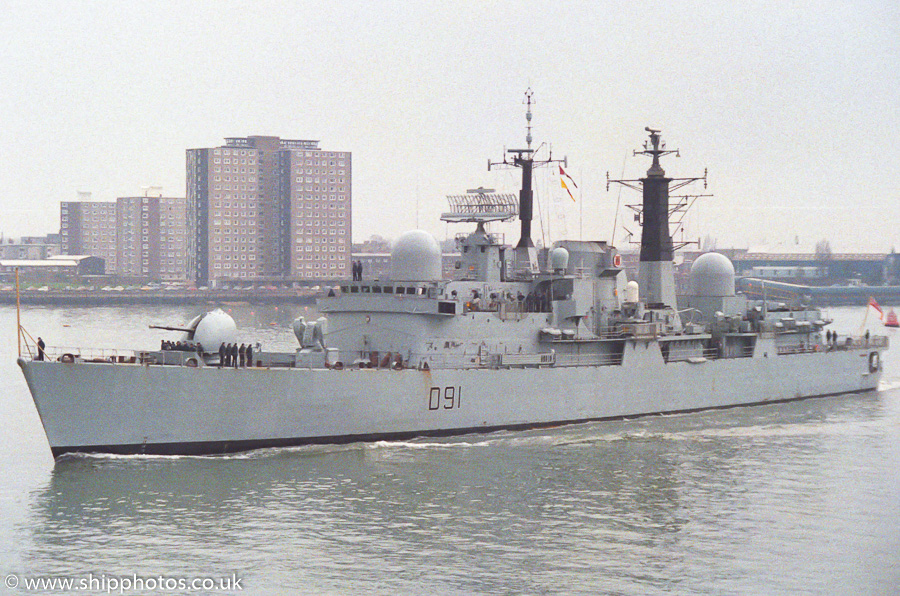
(563, 182)
(562, 173)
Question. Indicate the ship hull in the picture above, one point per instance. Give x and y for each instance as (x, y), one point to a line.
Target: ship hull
(122, 408)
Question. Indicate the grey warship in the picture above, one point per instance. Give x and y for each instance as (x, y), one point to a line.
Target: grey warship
(519, 342)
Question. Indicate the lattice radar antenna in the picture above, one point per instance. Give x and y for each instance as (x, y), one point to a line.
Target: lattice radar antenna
(481, 205)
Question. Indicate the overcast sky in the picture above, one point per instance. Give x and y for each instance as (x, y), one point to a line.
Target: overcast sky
(793, 107)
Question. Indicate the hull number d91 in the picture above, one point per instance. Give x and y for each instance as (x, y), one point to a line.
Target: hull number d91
(446, 398)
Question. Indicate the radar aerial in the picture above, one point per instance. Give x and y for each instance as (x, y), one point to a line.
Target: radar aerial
(481, 205)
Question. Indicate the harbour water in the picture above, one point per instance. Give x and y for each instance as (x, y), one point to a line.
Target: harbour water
(795, 498)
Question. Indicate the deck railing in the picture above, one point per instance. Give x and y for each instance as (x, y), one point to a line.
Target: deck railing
(87, 354)
(588, 359)
(443, 361)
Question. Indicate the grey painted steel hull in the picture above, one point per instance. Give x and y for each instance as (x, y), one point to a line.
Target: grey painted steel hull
(133, 408)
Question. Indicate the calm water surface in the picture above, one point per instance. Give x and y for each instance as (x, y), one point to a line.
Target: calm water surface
(798, 498)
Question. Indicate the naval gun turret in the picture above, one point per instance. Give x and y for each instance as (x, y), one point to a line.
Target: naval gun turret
(210, 330)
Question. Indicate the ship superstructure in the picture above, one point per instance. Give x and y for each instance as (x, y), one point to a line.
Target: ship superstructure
(518, 341)
(574, 309)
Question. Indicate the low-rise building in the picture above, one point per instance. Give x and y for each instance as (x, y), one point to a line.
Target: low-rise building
(30, 247)
(57, 268)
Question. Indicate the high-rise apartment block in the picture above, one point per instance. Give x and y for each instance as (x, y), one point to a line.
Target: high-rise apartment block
(265, 207)
(140, 237)
(89, 228)
(173, 238)
(151, 237)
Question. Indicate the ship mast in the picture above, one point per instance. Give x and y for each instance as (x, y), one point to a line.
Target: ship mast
(656, 276)
(525, 253)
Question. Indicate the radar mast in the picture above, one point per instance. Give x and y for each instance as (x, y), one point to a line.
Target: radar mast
(526, 262)
(655, 274)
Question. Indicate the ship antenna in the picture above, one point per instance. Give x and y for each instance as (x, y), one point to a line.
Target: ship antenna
(526, 254)
(528, 101)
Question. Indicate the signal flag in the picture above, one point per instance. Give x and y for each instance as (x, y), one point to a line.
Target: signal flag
(562, 172)
(563, 182)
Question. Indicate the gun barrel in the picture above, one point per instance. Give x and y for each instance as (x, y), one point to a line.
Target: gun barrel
(171, 328)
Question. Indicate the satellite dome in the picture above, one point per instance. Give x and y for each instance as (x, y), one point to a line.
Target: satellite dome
(559, 258)
(214, 329)
(632, 292)
(712, 274)
(416, 256)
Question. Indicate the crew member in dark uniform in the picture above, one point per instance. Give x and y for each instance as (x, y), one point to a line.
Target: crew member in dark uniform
(249, 355)
(234, 355)
(242, 355)
(221, 355)
(40, 345)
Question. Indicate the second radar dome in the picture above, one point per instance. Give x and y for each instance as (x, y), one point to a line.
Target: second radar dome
(416, 256)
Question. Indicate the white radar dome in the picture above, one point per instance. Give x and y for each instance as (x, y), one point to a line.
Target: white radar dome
(214, 329)
(416, 256)
(632, 292)
(559, 258)
(712, 274)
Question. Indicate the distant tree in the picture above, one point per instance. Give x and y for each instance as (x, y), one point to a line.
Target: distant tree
(823, 249)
